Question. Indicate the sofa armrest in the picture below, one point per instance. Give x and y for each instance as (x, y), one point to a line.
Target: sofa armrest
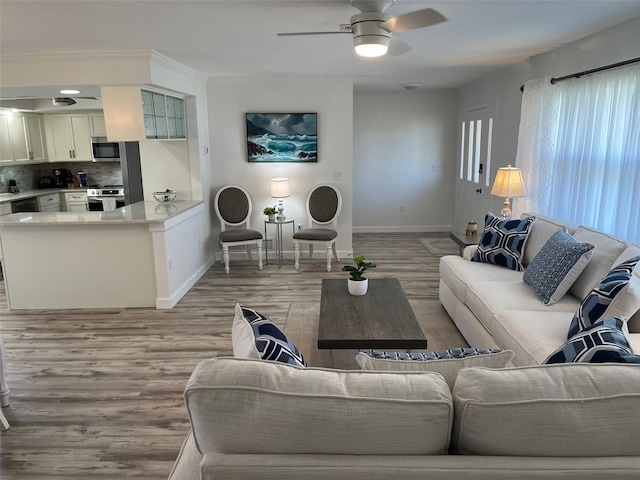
(469, 251)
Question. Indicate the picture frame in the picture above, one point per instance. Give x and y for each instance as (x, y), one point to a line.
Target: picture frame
(282, 137)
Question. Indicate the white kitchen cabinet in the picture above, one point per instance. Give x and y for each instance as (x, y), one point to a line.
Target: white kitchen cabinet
(5, 209)
(98, 127)
(49, 202)
(68, 137)
(27, 138)
(75, 202)
(6, 152)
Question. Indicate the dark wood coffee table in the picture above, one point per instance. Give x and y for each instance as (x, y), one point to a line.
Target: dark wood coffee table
(381, 319)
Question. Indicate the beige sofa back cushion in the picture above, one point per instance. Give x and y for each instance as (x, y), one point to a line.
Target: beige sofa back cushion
(607, 250)
(541, 231)
(631, 251)
(572, 410)
(253, 406)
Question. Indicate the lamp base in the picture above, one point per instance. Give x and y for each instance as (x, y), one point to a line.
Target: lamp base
(505, 213)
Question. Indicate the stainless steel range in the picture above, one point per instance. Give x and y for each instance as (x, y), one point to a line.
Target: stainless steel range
(105, 198)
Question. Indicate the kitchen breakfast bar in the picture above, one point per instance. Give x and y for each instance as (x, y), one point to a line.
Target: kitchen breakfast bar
(142, 255)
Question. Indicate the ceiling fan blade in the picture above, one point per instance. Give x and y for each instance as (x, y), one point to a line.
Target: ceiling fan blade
(413, 20)
(293, 34)
(397, 47)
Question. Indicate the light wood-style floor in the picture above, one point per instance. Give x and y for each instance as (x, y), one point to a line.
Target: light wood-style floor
(97, 394)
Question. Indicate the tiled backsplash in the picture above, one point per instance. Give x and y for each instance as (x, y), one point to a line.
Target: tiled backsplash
(27, 176)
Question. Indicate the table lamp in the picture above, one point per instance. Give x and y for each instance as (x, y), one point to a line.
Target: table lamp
(508, 184)
(280, 189)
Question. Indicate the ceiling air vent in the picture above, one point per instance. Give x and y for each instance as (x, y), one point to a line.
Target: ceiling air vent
(62, 101)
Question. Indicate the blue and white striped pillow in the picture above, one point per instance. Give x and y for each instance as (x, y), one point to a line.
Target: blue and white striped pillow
(609, 298)
(256, 337)
(603, 342)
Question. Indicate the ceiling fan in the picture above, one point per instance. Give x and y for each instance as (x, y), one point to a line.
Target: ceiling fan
(372, 27)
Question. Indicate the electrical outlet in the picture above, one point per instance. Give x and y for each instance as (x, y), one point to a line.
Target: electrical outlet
(299, 227)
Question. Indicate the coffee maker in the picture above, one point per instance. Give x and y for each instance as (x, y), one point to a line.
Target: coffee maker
(61, 177)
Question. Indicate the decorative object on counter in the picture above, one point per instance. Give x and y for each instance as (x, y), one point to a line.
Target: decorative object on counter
(13, 188)
(472, 229)
(270, 212)
(358, 285)
(508, 184)
(280, 189)
(82, 176)
(167, 196)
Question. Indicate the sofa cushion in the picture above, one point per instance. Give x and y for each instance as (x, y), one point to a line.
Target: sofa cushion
(603, 342)
(485, 299)
(541, 231)
(248, 406)
(592, 411)
(532, 335)
(255, 336)
(458, 273)
(607, 249)
(445, 362)
(632, 250)
(556, 266)
(617, 294)
(503, 241)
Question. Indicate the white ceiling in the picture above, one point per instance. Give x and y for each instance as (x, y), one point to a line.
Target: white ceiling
(236, 38)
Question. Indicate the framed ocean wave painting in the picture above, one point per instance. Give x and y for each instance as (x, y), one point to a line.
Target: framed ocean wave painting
(282, 137)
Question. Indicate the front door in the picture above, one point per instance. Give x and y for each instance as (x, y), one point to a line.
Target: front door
(474, 168)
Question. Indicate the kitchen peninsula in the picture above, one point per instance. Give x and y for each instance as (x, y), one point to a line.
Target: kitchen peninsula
(141, 255)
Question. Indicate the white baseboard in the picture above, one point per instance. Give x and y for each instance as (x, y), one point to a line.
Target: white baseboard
(164, 303)
(409, 229)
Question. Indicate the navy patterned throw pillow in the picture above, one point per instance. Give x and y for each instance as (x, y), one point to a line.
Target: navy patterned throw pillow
(609, 297)
(603, 342)
(255, 336)
(556, 266)
(502, 241)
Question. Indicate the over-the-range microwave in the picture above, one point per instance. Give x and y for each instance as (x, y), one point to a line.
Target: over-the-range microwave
(103, 150)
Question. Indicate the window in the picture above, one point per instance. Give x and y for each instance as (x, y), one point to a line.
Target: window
(579, 150)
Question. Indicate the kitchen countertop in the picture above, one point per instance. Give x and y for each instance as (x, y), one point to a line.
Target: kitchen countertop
(10, 197)
(140, 212)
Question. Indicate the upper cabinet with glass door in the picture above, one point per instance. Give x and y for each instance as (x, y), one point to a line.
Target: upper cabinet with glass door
(163, 116)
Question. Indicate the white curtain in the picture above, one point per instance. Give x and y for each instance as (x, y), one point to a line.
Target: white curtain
(579, 150)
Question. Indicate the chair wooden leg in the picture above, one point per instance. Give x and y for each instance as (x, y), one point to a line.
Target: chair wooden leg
(4, 423)
(225, 257)
(259, 244)
(335, 251)
(310, 251)
(296, 255)
(329, 255)
(248, 249)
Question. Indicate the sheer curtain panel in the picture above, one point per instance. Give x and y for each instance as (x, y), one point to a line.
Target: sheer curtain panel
(579, 150)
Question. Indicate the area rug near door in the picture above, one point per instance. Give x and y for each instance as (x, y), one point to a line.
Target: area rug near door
(440, 246)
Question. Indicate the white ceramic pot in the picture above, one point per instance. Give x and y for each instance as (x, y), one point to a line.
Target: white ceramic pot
(272, 217)
(358, 287)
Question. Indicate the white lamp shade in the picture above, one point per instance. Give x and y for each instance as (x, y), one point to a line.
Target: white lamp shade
(280, 187)
(508, 183)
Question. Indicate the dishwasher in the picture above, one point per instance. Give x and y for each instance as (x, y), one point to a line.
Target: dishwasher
(25, 205)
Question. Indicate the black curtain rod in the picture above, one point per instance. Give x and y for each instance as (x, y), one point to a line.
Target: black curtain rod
(589, 72)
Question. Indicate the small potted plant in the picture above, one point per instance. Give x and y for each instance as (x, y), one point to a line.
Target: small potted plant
(472, 228)
(358, 285)
(271, 212)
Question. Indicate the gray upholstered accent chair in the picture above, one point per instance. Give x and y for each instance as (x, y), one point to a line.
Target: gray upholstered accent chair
(323, 208)
(233, 207)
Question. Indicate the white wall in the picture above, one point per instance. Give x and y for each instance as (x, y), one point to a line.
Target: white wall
(165, 165)
(503, 89)
(404, 154)
(331, 97)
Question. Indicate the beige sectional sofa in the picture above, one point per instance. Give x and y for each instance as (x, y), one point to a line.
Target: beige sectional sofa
(256, 419)
(493, 307)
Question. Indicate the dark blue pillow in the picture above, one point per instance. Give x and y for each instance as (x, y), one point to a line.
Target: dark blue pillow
(603, 342)
(502, 241)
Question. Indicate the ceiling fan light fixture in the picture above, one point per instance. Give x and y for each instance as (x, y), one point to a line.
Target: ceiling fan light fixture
(371, 46)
